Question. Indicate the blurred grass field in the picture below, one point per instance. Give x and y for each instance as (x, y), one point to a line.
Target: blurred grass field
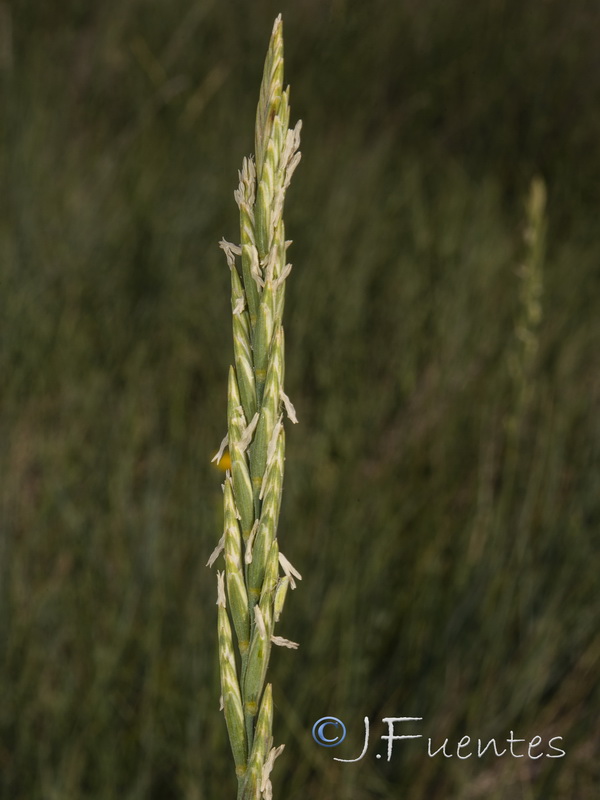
(442, 490)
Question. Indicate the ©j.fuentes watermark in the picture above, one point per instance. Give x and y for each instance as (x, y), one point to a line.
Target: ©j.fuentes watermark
(331, 731)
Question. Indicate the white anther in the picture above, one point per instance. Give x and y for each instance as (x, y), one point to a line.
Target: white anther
(250, 542)
(271, 450)
(221, 590)
(289, 408)
(278, 207)
(272, 447)
(260, 622)
(230, 250)
(281, 642)
(268, 768)
(239, 306)
(216, 552)
(246, 436)
(255, 267)
(269, 264)
(284, 273)
(289, 570)
(289, 170)
(222, 447)
(297, 129)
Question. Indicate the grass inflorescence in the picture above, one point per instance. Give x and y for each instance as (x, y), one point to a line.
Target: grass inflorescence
(255, 591)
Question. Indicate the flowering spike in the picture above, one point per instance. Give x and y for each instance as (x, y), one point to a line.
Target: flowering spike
(251, 592)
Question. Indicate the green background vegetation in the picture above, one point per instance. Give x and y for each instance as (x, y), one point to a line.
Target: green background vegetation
(442, 493)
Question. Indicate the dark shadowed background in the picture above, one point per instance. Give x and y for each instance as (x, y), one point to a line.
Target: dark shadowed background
(442, 487)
